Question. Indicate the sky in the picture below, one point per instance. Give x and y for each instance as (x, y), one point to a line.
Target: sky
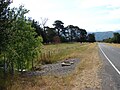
(92, 15)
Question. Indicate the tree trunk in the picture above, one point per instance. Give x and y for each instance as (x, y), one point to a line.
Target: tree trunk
(12, 68)
(32, 64)
(5, 67)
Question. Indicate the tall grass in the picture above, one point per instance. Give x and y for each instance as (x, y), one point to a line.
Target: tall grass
(56, 52)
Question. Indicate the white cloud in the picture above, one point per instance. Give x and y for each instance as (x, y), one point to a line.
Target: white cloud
(89, 14)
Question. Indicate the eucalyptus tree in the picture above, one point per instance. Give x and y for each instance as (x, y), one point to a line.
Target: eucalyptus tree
(83, 35)
(70, 32)
(59, 26)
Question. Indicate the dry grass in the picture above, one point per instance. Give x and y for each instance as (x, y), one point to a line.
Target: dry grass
(113, 44)
(85, 76)
(56, 52)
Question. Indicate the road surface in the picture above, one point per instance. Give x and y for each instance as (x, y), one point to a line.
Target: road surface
(111, 70)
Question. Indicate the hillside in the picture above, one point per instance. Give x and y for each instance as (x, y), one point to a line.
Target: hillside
(103, 35)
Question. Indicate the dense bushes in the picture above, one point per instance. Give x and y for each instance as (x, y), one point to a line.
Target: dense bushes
(19, 45)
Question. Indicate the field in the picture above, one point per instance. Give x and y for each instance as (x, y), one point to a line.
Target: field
(85, 76)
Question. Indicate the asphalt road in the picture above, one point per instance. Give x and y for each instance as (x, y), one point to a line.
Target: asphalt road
(110, 73)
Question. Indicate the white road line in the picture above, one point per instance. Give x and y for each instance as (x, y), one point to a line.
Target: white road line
(110, 61)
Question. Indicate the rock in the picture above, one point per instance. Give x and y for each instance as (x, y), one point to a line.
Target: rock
(65, 64)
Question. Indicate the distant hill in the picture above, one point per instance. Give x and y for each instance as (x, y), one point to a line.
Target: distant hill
(99, 36)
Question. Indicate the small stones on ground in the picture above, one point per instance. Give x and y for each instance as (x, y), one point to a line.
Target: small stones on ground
(59, 68)
(67, 63)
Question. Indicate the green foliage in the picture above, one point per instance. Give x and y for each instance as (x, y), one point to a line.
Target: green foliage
(50, 34)
(115, 39)
(91, 37)
(21, 47)
(4, 22)
(59, 26)
(66, 34)
(76, 34)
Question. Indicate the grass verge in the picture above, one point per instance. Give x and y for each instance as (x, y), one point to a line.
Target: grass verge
(114, 45)
(87, 76)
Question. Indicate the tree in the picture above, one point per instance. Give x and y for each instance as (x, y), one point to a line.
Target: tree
(43, 22)
(109, 40)
(91, 37)
(58, 26)
(71, 30)
(76, 34)
(116, 38)
(23, 46)
(83, 34)
(38, 29)
(50, 34)
(5, 23)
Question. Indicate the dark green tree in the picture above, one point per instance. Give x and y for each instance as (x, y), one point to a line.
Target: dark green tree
(71, 31)
(50, 34)
(59, 26)
(91, 37)
(83, 35)
(116, 38)
(5, 23)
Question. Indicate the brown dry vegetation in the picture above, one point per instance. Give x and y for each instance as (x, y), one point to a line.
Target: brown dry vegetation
(87, 74)
(84, 77)
(113, 44)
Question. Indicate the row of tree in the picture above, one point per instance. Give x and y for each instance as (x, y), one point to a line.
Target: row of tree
(114, 39)
(60, 33)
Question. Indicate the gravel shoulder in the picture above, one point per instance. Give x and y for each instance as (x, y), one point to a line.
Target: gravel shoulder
(56, 68)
